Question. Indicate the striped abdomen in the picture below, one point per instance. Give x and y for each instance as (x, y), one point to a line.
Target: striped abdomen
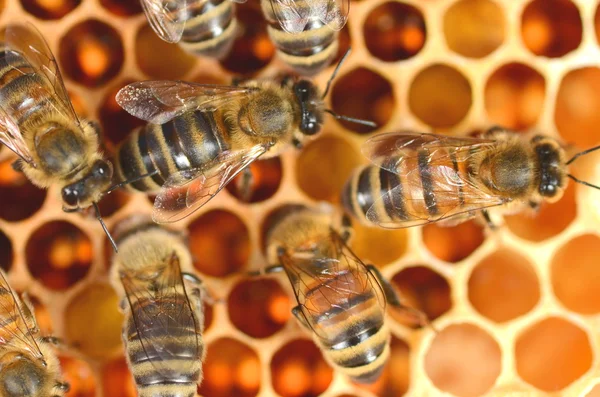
(187, 141)
(210, 28)
(156, 373)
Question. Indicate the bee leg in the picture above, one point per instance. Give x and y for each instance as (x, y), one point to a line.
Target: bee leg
(53, 340)
(17, 165)
(535, 206)
(62, 386)
(28, 311)
(245, 185)
(266, 270)
(346, 228)
(488, 219)
(297, 312)
(297, 144)
(200, 290)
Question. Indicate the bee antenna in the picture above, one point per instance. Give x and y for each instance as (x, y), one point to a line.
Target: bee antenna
(132, 180)
(99, 217)
(576, 156)
(368, 123)
(335, 72)
(583, 182)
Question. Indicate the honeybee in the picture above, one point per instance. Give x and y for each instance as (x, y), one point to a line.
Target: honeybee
(202, 136)
(202, 27)
(39, 124)
(28, 365)
(305, 32)
(162, 302)
(341, 301)
(417, 178)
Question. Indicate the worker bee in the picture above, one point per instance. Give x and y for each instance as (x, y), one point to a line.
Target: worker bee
(162, 302)
(341, 301)
(39, 124)
(305, 33)
(202, 27)
(202, 136)
(28, 365)
(421, 178)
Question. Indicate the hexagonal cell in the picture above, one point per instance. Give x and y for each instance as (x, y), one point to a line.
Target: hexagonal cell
(58, 254)
(551, 28)
(298, 369)
(91, 53)
(577, 102)
(231, 368)
(259, 307)
(377, 245)
(455, 243)
(394, 31)
(113, 202)
(116, 123)
(80, 377)
(464, 360)
(575, 274)
(49, 9)
(503, 286)
(395, 379)
(474, 28)
(252, 50)
(219, 243)
(440, 96)
(93, 321)
(172, 64)
(117, 380)
(514, 96)
(266, 177)
(423, 289)
(19, 199)
(363, 94)
(122, 8)
(550, 221)
(552, 354)
(6, 252)
(323, 167)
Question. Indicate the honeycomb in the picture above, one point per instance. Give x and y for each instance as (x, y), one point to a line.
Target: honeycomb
(516, 310)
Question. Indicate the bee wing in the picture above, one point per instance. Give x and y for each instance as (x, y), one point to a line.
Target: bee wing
(163, 16)
(27, 40)
(389, 151)
(186, 191)
(11, 137)
(292, 15)
(16, 331)
(333, 13)
(159, 101)
(162, 311)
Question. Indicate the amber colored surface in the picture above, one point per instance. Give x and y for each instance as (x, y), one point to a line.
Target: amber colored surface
(113, 202)
(19, 199)
(93, 321)
(6, 252)
(122, 7)
(595, 392)
(552, 354)
(450, 360)
(455, 243)
(116, 123)
(378, 246)
(50, 9)
(395, 379)
(266, 177)
(474, 28)
(42, 316)
(503, 286)
(80, 377)
(117, 380)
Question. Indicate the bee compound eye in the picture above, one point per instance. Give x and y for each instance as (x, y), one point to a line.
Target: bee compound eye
(70, 195)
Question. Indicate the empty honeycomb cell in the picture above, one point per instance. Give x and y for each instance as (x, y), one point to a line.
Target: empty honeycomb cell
(503, 286)
(42, 316)
(113, 202)
(219, 243)
(550, 221)
(395, 379)
(173, 62)
(266, 177)
(252, 50)
(394, 31)
(577, 101)
(93, 321)
(91, 53)
(6, 252)
(231, 368)
(514, 96)
(551, 28)
(421, 288)
(49, 9)
(19, 199)
(117, 380)
(455, 243)
(324, 165)
(299, 369)
(116, 123)
(58, 254)
(377, 245)
(259, 307)
(464, 360)
(474, 28)
(364, 94)
(440, 96)
(575, 274)
(122, 7)
(552, 354)
(80, 377)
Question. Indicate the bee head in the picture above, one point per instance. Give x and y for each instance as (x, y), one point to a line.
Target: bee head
(550, 160)
(83, 192)
(311, 104)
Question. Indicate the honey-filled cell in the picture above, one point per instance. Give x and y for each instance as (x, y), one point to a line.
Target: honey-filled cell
(93, 321)
(123, 8)
(80, 377)
(231, 368)
(116, 123)
(264, 182)
(117, 379)
(49, 9)
(552, 353)
(19, 198)
(455, 243)
(377, 245)
(395, 378)
(58, 254)
(6, 252)
(299, 369)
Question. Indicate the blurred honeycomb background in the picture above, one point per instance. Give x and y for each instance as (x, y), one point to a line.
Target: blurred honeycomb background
(517, 310)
